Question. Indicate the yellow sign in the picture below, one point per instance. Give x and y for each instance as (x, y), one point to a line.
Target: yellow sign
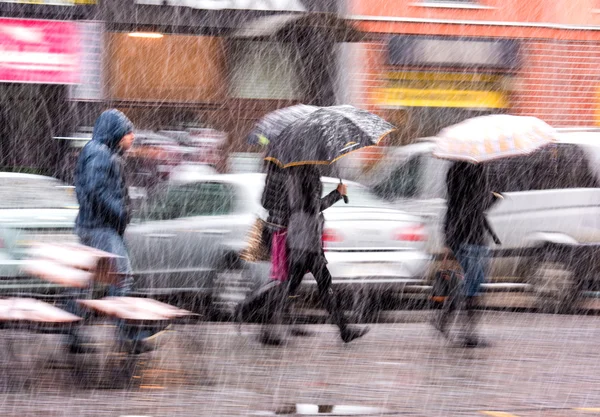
(442, 89)
(409, 97)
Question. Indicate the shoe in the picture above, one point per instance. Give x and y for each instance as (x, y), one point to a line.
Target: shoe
(351, 333)
(471, 342)
(140, 347)
(79, 345)
(300, 332)
(135, 347)
(270, 339)
(441, 325)
(238, 317)
(80, 348)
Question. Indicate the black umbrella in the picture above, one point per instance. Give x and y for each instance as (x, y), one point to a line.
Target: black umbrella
(268, 129)
(323, 136)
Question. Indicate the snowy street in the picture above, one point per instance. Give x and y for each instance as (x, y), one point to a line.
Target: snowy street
(537, 365)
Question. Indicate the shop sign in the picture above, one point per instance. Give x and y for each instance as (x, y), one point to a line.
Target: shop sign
(39, 51)
(451, 52)
(287, 5)
(52, 2)
(473, 99)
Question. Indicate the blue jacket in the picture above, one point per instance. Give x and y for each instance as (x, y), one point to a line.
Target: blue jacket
(100, 178)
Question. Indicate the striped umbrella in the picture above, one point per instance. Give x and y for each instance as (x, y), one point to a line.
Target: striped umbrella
(486, 138)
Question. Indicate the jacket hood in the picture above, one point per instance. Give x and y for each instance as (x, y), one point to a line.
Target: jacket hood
(110, 128)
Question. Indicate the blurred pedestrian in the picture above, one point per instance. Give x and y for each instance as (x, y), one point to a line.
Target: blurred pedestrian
(104, 213)
(274, 236)
(466, 235)
(304, 240)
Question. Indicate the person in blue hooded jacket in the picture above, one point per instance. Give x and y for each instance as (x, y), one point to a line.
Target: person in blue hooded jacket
(104, 210)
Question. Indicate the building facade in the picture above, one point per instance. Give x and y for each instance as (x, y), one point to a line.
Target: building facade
(426, 64)
(171, 64)
(40, 50)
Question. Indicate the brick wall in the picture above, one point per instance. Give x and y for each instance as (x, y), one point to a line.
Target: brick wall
(559, 82)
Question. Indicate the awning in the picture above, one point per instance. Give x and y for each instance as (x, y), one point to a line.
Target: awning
(282, 25)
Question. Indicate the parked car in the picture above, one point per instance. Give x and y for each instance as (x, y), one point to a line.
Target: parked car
(33, 208)
(552, 199)
(189, 240)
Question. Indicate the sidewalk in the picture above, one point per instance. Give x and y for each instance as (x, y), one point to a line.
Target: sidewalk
(538, 365)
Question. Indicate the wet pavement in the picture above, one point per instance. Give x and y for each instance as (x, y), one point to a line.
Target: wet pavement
(538, 365)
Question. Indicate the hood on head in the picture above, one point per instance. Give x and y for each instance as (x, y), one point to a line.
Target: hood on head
(110, 128)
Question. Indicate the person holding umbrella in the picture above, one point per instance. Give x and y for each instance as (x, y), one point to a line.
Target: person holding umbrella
(304, 239)
(470, 144)
(298, 138)
(318, 137)
(466, 230)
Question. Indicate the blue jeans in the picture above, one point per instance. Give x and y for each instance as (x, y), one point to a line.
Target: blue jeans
(108, 240)
(473, 260)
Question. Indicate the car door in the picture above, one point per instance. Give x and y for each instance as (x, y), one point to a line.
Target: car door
(417, 185)
(149, 241)
(550, 191)
(207, 221)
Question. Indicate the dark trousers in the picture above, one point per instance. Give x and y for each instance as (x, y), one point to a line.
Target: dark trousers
(315, 263)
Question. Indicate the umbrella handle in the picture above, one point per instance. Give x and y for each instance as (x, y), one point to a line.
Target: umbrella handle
(345, 197)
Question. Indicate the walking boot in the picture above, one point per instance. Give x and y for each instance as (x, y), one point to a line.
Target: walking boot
(79, 344)
(349, 333)
(270, 337)
(333, 305)
(471, 338)
(441, 319)
(270, 334)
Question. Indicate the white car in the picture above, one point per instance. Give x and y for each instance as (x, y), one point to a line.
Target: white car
(551, 205)
(33, 208)
(190, 239)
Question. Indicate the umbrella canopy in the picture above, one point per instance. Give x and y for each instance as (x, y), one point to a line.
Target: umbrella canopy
(327, 134)
(492, 137)
(270, 127)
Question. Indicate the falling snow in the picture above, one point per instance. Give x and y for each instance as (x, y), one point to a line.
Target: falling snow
(437, 161)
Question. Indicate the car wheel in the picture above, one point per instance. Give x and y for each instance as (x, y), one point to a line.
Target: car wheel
(231, 286)
(556, 286)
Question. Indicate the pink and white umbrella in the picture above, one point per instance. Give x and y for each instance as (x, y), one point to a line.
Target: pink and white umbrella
(492, 137)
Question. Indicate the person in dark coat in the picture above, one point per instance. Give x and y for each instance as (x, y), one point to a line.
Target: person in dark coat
(467, 232)
(304, 240)
(274, 200)
(104, 210)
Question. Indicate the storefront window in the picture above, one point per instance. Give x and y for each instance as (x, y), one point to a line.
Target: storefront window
(262, 70)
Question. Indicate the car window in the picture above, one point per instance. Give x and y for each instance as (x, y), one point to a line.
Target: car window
(201, 199)
(403, 181)
(35, 193)
(560, 166)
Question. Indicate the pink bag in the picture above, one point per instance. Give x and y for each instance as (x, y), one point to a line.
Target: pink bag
(279, 263)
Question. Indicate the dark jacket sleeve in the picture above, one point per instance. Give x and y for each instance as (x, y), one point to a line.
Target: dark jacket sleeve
(330, 199)
(295, 196)
(103, 198)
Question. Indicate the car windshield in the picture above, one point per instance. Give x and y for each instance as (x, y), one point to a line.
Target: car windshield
(35, 193)
(358, 196)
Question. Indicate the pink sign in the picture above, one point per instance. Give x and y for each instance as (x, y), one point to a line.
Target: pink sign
(39, 51)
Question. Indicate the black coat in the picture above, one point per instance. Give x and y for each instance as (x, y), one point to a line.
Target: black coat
(469, 197)
(305, 228)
